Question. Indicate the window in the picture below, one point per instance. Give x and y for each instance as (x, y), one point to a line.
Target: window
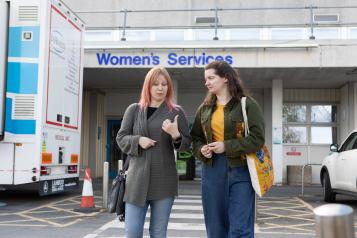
(245, 34)
(309, 124)
(169, 35)
(323, 113)
(294, 134)
(351, 143)
(137, 35)
(326, 33)
(353, 33)
(98, 36)
(294, 113)
(287, 34)
(207, 34)
(322, 135)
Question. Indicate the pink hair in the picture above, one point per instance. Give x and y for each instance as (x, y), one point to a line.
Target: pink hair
(152, 75)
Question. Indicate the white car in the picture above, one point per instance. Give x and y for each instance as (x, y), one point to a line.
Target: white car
(339, 169)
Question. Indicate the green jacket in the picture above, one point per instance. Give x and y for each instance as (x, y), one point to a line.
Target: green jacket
(236, 145)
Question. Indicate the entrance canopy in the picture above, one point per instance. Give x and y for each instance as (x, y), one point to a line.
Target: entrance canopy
(193, 78)
(299, 64)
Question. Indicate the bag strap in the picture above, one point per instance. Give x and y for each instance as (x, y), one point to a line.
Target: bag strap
(244, 111)
(127, 159)
(126, 164)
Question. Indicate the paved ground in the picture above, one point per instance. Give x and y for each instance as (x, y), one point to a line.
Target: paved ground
(282, 213)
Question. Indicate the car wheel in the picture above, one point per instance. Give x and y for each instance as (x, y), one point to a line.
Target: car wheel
(329, 196)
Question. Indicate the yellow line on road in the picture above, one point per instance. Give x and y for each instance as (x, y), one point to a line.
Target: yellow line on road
(62, 217)
(305, 203)
(290, 210)
(285, 233)
(276, 202)
(282, 208)
(279, 217)
(303, 214)
(292, 227)
(276, 216)
(66, 204)
(256, 228)
(46, 205)
(40, 220)
(77, 213)
(22, 225)
(274, 198)
(45, 211)
(7, 214)
(75, 201)
(73, 222)
(3, 222)
(53, 223)
(52, 205)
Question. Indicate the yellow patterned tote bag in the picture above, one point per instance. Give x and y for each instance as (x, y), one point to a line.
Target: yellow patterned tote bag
(259, 163)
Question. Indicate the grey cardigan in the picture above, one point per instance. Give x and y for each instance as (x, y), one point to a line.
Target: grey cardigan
(152, 172)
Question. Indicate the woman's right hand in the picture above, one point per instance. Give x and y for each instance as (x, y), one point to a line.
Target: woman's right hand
(146, 142)
(206, 152)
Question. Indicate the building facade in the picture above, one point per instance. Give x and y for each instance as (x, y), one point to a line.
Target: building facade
(297, 58)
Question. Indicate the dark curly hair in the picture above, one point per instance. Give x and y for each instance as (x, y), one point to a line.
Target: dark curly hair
(235, 85)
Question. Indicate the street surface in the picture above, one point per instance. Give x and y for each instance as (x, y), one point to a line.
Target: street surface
(283, 213)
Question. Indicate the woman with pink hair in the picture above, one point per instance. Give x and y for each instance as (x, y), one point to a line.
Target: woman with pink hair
(150, 131)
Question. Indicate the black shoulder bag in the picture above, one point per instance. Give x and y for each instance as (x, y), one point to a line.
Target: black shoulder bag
(116, 198)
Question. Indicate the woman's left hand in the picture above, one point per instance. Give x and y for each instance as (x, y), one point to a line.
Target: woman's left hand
(171, 128)
(217, 147)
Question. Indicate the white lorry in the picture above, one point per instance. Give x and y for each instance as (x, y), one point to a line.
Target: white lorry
(41, 81)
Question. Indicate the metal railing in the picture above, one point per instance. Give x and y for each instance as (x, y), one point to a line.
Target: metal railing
(302, 176)
(311, 9)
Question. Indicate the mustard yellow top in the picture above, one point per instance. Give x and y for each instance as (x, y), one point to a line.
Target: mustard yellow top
(217, 123)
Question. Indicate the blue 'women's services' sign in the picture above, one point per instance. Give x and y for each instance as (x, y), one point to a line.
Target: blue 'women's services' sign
(171, 59)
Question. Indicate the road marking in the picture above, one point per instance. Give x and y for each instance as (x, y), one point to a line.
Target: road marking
(271, 212)
(277, 208)
(6, 214)
(42, 211)
(306, 204)
(40, 220)
(55, 206)
(187, 216)
(294, 227)
(14, 221)
(23, 225)
(190, 196)
(187, 207)
(72, 203)
(188, 201)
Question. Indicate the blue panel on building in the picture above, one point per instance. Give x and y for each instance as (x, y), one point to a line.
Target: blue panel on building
(20, 47)
(22, 78)
(27, 127)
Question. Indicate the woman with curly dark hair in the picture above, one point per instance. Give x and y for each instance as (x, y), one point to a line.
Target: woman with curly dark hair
(218, 139)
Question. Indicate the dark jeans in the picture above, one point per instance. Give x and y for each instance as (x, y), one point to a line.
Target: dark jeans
(228, 200)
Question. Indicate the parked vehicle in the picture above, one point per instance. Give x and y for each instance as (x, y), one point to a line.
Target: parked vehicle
(41, 81)
(339, 169)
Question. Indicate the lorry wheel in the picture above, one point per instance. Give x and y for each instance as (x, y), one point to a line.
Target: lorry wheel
(329, 196)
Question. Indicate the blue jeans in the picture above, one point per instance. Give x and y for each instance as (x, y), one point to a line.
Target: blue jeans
(159, 218)
(228, 200)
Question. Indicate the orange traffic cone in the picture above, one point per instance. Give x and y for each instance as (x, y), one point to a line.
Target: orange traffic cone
(87, 203)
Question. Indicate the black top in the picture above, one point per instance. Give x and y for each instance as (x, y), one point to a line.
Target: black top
(151, 111)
